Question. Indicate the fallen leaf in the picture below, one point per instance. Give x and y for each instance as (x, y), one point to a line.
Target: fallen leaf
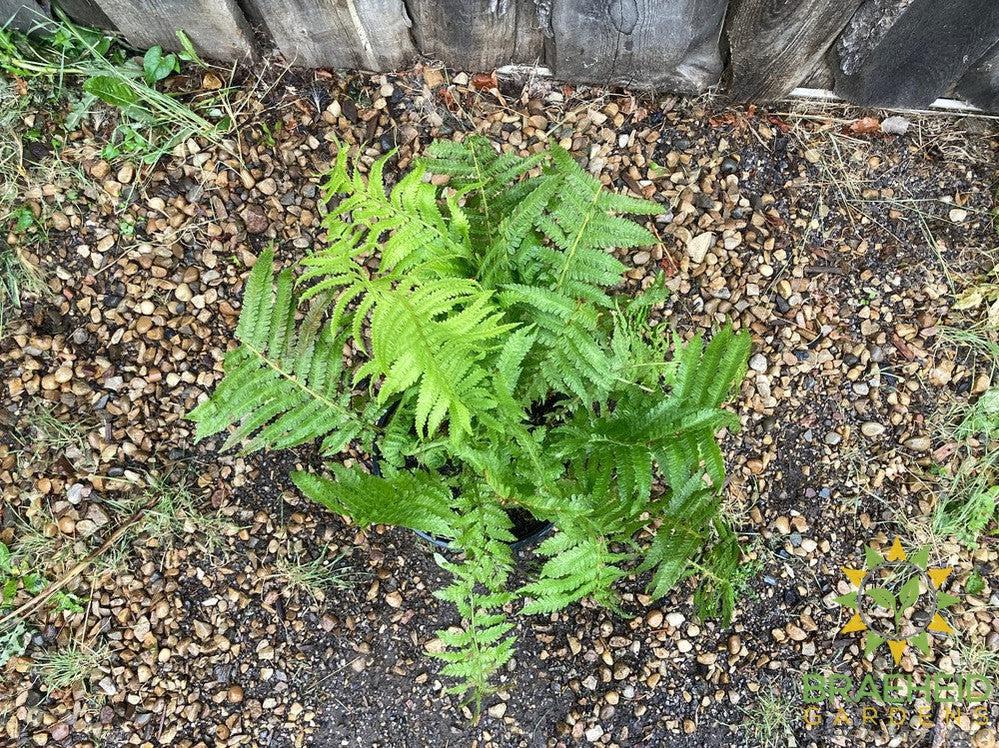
(484, 80)
(865, 126)
(448, 98)
(969, 299)
(432, 77)
(211, 82)
(669, 265)
(902, 347)
(725, 118)
(993, 317)
(780, 124)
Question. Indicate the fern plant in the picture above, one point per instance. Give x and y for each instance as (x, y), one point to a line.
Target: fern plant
(470, 340)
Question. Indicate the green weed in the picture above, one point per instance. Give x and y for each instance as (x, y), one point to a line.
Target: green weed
(14, 640)
(70, 665)
(314, 577)
(152, 121)
(975, 585)
(769, 720)
(969, 491)
(967, 500)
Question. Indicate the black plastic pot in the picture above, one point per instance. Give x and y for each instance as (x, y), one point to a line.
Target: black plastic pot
(527, 529)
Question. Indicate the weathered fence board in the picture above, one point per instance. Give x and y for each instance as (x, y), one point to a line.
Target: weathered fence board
(775, 46)
(87, 12)
(217, 27)
(872, 52)
(628, 42)
(368, 34)
(477, 34)
(922, 54)
(20, 14)
(980, 85)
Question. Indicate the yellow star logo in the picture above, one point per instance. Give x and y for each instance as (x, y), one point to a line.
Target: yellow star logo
(895, 604)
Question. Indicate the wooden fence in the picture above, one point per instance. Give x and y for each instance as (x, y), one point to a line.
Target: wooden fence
(900, 53)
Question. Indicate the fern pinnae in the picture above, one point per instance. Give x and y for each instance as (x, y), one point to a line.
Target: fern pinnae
(272, 390)
(573, 244)
(254, 319)
(483, 644)
(492, 366)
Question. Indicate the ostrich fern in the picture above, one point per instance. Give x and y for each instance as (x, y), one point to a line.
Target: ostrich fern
(492, 368)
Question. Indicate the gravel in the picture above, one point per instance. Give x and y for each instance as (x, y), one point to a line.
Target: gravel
(786, 222)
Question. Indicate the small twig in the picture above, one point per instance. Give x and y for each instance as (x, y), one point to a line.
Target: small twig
(86, 617)
(79, 568)
(939, 732)
(325, 678)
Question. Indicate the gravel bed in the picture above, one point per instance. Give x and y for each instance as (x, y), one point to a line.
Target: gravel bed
(840, 247)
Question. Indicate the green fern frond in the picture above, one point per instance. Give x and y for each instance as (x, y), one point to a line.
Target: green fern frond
(583, 220)
(509, 362)
(427, 329)
(580, 565)
(432, 338)
(498, 260)
(482, 645)
(719, 576)
(417, 500)
(281, 387)
(683, 532)
(406, 226)
(567, 354)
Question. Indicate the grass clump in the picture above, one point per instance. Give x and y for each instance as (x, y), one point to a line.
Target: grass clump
(45, 436)
(70, 665)
(770, 719)
(166, 513)
(969, 484)
(18, 275)
(313, 578)
(152, 121)
(969, 491)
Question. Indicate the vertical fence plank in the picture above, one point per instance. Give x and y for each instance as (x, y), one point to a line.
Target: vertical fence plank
(20, 14)
(775, 46)
(368, 34)
(670, 44)
(477, 34)
(86, 12)
(217, 27)
(923, 54)
(980, 85)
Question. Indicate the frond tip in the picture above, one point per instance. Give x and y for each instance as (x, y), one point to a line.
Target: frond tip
(282, 387)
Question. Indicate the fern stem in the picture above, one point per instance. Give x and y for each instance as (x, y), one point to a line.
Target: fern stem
(571, 254)
(333, 405)
(482, 193)
(708, 573)
(642, 387)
